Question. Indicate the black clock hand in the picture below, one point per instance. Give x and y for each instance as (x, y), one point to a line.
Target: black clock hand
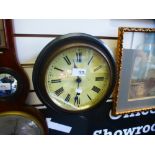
(78, 80)
(77, 99)
(75, 66)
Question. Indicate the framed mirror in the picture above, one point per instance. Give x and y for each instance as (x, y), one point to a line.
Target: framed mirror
(135, 88)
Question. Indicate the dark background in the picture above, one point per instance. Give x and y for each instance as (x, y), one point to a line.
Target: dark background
(100, 122)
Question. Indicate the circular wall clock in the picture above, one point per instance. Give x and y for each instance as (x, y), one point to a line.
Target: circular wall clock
(19, 120)
(74, 73)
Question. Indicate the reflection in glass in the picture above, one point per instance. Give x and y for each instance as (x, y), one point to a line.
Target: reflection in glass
(18, 125)
(8, 85)
(142, 82)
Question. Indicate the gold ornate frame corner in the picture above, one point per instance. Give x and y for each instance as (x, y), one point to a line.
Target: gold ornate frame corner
(119, 53)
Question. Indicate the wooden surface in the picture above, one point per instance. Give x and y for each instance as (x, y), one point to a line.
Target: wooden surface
(8, 60)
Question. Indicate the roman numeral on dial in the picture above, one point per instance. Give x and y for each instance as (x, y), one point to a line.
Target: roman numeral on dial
(97, 68)
(58, 69)
(79, 57)
(99, 78)
(96, 89)
(89, 97)
(56, 81)
(67, 60)
(68, 98)
(59, 91)
(90, 60)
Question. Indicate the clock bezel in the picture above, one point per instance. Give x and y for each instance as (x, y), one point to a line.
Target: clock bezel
(52, 49)
(14, 96)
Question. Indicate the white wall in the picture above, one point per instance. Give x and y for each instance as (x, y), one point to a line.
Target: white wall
(95, 27)
(29, 47)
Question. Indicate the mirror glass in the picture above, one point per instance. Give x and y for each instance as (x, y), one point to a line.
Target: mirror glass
(2, 35)
(8, 85)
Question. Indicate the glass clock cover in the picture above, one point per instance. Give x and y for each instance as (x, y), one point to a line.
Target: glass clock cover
(77, 78)
(18, 125)
(8, 85)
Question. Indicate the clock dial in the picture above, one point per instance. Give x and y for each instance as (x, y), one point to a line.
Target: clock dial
(77, 78)
(74, 73)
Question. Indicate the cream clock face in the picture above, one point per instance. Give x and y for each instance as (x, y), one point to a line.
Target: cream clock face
(74, 73)
(77, 78)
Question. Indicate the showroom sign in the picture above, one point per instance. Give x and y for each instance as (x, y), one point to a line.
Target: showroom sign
(101, 122)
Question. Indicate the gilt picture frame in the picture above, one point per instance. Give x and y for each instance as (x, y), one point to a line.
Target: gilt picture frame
(135, 57)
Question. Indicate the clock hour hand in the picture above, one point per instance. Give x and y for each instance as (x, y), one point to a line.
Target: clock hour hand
(77, 99)
(78, 80)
